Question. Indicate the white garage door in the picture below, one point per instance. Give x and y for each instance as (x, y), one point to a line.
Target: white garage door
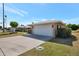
(45, 30)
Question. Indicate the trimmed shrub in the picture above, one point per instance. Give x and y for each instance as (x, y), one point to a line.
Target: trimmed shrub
(64, 32)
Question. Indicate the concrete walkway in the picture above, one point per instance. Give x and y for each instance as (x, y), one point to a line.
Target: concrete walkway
(13, 46)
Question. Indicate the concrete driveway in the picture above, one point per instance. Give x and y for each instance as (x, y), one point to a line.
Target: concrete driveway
(13, 46)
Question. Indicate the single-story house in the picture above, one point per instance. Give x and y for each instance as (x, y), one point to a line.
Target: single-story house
(29, 29)
(47, 28)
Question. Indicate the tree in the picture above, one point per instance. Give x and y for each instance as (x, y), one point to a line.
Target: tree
(73, 26)
(64, 32)
(13, 24)
(0, 27)
(69, 25)
(78, 26)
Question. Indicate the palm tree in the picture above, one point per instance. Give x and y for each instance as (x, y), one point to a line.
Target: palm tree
(13, 24)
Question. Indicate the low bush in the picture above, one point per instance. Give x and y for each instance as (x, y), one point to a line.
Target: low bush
(64, 32)
(21, 30)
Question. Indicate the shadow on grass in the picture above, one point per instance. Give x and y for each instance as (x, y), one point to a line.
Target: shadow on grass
(67, 41)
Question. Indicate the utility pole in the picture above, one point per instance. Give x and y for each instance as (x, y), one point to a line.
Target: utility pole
(3, 19)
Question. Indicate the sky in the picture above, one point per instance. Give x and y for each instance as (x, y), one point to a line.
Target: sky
(26, 13)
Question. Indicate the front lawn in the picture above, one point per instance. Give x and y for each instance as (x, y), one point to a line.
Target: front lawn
(56, 49)
(9, 34)
(53, 49)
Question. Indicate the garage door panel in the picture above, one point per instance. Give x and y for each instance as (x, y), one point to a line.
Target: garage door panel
(46, 30)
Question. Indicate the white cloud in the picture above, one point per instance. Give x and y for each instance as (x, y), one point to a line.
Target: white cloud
(22, 11)
(14, 10)
(47, 19)
(36, 20)
(0, 21)
(8, 9)
(72, 21)
(43, 19)
(0, 5)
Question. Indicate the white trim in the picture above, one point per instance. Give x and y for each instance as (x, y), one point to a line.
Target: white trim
(47, 22)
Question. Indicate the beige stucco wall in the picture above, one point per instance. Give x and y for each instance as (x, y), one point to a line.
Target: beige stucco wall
(45, 30)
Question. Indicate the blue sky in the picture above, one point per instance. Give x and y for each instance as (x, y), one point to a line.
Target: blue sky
(26, 13)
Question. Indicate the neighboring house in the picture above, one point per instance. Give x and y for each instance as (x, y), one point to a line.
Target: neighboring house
(12, 29)
(47, 28)
(29, 29)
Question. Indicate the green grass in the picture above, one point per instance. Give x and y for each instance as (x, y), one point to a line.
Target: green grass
(53, 49)
(56, 49)
(9, 34)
